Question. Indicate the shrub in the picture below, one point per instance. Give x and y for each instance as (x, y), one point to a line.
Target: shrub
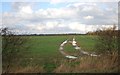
(12, 48)
(107, 40)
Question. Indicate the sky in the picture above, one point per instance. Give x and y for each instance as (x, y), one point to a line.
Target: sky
(58, 17)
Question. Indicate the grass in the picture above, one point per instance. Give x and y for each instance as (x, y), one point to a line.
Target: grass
(44, 48)
(49, 45)
(104, 64)
(43, 55)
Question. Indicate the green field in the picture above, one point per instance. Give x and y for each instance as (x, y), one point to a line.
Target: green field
(42, 55)
(44, 49)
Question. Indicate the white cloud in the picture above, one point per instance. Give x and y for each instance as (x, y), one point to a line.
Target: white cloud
(88, 17)
(75, 17)
(77, 26)
(56, 13)
(9, 19)
(25, 12)
(55, 1)
(26, 9)
(35, 27)
(83, 3)
(62, 25)
(50, 25)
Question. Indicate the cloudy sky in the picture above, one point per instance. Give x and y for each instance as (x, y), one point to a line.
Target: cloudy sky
(58, 17)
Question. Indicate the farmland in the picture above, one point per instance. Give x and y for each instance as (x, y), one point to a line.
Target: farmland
(46, 47)
(42, 55)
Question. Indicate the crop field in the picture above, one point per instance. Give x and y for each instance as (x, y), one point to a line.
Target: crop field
(42, 55)
(48, 46)
(45, 49)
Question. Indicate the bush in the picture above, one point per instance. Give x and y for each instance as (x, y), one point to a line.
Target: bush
(12, 48)
(107, 40)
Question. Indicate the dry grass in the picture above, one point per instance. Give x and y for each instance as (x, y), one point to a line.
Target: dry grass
(87, 64)
(28, 69)
(103, 64)
(31, 69)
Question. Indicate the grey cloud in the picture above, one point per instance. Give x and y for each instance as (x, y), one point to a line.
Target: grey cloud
(16, 5)
(101, 15)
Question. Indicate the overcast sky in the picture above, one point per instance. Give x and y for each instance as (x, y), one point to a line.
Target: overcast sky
(58, 17)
